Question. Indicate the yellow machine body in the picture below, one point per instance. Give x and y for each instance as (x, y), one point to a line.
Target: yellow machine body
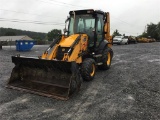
(65, 43)
(56, 73)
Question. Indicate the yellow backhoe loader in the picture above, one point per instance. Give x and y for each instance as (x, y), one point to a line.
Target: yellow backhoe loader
(84, 46)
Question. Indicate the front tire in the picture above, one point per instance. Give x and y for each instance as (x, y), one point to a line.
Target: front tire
(88, 69)
(75, 84)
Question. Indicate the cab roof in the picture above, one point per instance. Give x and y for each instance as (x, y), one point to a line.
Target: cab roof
(87, 11)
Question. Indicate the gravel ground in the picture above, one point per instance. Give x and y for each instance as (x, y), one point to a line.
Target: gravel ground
(129, 90)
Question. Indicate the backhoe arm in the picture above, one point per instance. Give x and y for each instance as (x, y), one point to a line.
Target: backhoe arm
(108, 37)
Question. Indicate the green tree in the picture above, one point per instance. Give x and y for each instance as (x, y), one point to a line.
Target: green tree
(116, 33)
(144, 34)
(153, 30)
(53, 34)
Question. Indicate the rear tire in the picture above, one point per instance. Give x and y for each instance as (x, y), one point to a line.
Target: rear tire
(107, 57)
(88, 69)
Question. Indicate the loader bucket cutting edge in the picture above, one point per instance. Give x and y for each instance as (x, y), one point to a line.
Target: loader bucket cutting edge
(57, 79)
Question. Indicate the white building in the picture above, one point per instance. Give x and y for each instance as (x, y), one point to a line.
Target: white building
(14, 38)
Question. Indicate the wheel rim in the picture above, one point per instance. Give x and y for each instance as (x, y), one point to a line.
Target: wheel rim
(93, 70)
(109, 58)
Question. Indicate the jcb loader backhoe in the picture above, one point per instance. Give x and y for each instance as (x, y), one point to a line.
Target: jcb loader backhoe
(85, 46)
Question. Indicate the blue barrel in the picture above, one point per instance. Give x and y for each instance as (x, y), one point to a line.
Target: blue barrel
(24, 45)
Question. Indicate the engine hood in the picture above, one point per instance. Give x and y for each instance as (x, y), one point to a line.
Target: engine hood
(67, 42)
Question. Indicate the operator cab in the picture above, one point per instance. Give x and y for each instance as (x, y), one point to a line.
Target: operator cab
(88, 22)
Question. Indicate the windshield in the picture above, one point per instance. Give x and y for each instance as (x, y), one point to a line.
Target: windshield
(83, 24)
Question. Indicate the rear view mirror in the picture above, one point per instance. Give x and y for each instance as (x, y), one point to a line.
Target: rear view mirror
(65, 30)
(68, 18)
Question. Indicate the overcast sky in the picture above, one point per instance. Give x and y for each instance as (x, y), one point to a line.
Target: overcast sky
(128, 16)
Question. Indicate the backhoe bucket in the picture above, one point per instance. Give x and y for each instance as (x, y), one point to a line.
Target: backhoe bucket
(57, 79)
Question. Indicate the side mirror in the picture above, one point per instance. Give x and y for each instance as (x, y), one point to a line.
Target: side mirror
(68, 18)
(65, 30)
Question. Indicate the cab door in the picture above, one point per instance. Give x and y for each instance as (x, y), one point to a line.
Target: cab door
(99, 29)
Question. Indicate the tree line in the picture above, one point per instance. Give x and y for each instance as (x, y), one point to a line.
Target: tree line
(14, 32)
(152, 31)
(50, 36)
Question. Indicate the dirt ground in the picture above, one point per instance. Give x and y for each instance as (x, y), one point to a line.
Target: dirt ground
(129, 90)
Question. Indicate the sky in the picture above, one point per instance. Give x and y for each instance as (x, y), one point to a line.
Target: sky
(129, 17)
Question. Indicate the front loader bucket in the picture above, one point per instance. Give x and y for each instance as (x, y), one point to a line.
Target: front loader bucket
(57, 79)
